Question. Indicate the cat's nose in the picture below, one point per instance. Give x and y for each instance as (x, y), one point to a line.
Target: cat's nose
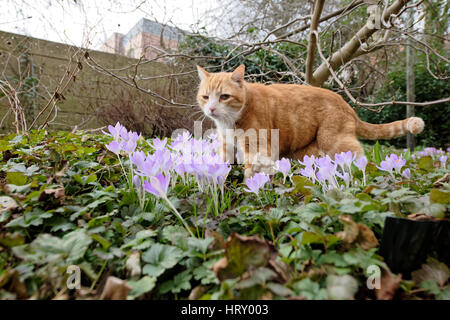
(212, 109)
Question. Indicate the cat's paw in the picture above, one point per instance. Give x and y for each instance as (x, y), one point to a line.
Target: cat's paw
(264, 164)
(248, 173)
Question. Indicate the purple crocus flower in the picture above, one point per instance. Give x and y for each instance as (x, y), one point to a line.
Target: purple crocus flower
(344, 159)
(308, 161)
(256, 182)
(284, 166)
(361, 163)
(158, 185)
(115, 131)
(129, 146)
(114, 147)
(406, 173)
(431, 151)
(345, 177)
(158, 144)
(138, 159)
(137, 182)
(397, 162)
(308, 172)
(443, 160)
(386, 165)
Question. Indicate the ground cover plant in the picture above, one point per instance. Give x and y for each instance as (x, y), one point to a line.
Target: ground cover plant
(167, 219)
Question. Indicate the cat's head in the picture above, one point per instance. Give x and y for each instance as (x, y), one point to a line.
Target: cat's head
(221, 95)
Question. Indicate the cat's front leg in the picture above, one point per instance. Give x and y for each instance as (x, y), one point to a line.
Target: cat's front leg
(248, 172)
(226, 152)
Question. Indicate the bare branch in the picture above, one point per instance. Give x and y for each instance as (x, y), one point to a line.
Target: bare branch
(346, 53)
(317, 10)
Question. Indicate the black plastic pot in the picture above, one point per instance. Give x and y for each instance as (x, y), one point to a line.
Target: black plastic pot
(406, 244)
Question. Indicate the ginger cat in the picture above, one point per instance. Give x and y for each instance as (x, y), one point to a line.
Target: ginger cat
(311, 120)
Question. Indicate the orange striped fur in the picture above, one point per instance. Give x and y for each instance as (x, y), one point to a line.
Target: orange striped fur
(311, 120)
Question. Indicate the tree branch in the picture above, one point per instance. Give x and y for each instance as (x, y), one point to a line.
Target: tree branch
(346, 53)
(317, 10)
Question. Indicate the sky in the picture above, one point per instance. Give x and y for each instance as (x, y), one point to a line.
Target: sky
(89, 23)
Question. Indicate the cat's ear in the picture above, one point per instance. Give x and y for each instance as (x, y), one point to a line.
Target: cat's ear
(238, 74)
(202, 73)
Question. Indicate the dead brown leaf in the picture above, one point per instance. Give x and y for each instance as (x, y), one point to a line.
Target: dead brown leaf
(366, 238)
(115, 289)
(418, 216)
(357, 233)
(283, 271)
(440, 182)
(219, 241)
(7, 204)
(197, 292)
(389, 285)
(58, 193)
(351, 229)
(133, 264)
(243, 254)
(432, 270)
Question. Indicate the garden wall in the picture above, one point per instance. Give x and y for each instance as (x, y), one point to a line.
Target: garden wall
(34, 67)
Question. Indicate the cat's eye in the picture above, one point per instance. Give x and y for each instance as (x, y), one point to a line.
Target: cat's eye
(205, 97)
(224, 96)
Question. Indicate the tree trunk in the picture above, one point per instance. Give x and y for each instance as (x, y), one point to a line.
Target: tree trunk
(410, 94)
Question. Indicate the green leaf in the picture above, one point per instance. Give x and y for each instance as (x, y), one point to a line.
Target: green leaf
(439, 196)
(75, 244)
(426, 163)
(16, 178)
(105, 243)
(378, 153)
(310, 290)
(159, 258)
(141, 286)
(303, 185)
(180, 282)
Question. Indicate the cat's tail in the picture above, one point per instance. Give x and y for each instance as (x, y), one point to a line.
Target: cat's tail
(390, 130)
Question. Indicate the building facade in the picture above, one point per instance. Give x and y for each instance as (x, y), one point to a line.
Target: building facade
(146, 39)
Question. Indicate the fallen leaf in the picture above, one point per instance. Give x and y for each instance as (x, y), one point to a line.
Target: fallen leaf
(115, 289)
(58, 193)
(18, 287)
(366, 238)
(197, 292)
(351, 229)
(219, 241)
(440, 182)
(7, 204)
(283, 271)
(389, 285)
(432, 270)
(242, 254)
(418, 216)
(133, 264)
(357, 233)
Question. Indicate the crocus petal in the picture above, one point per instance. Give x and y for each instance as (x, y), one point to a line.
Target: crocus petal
(114, 147)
